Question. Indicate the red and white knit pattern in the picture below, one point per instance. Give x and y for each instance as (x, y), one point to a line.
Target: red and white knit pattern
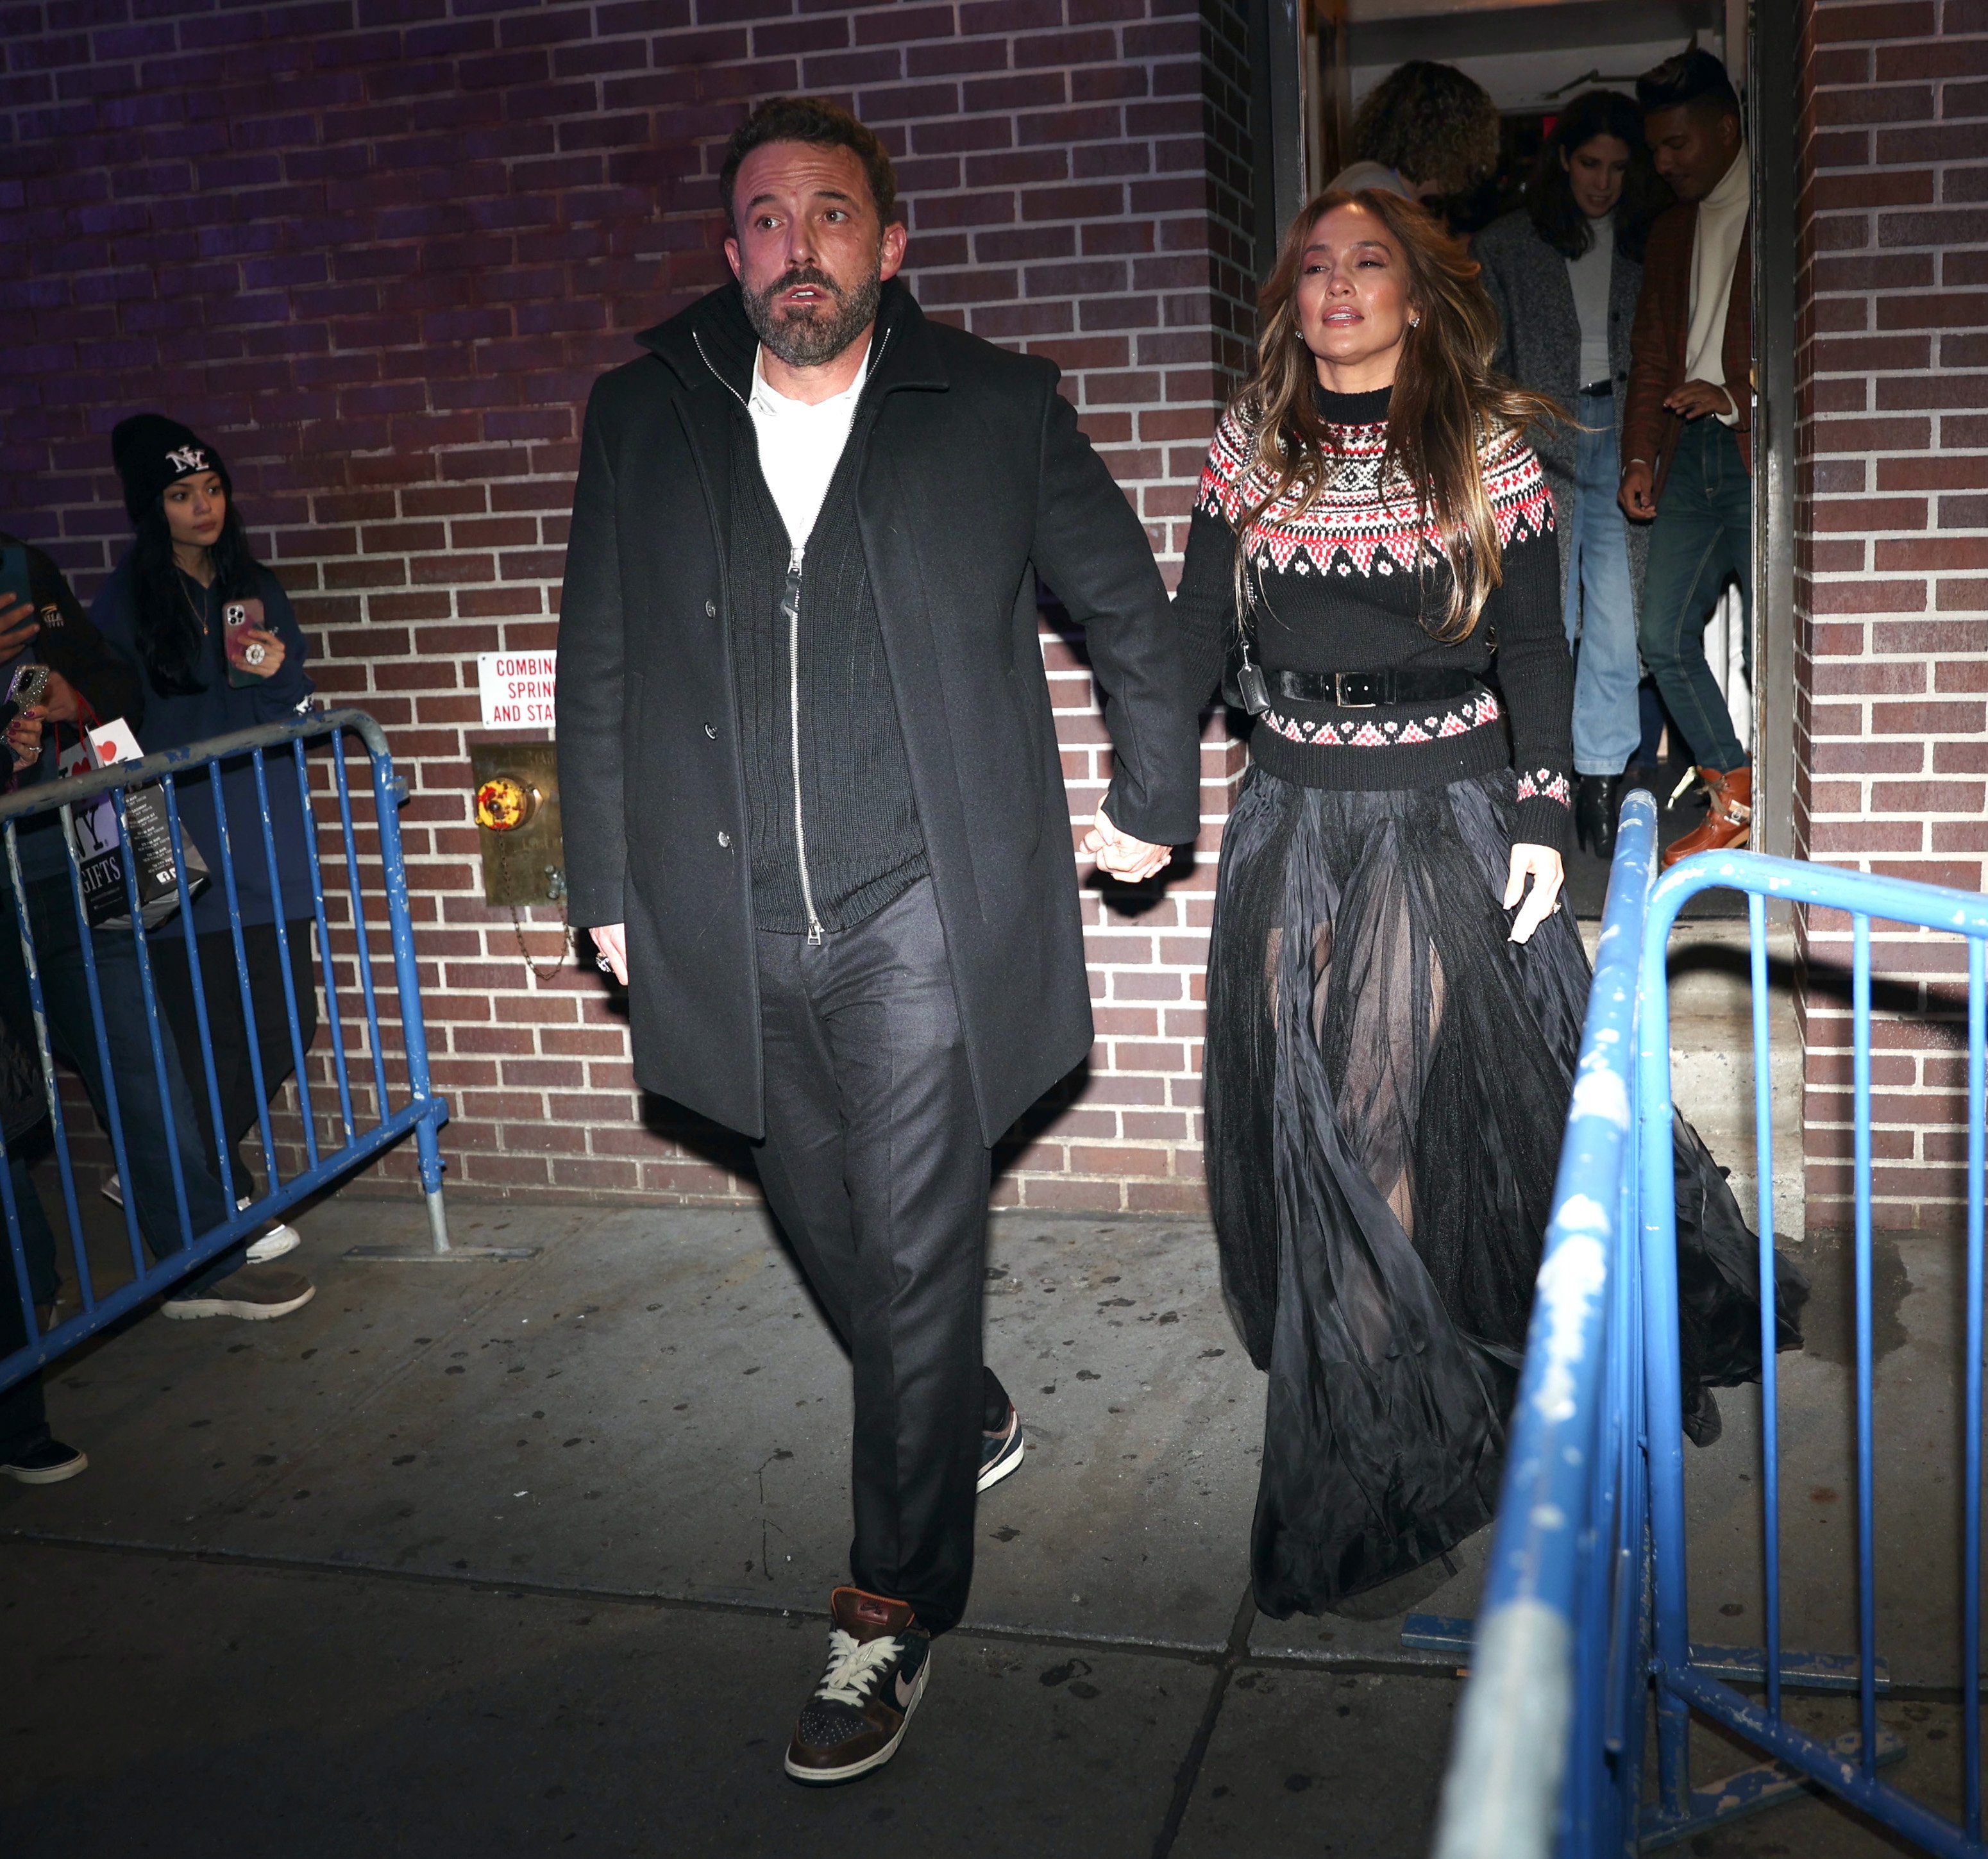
(1474, 712)
(1547, 781)
(1357, 524)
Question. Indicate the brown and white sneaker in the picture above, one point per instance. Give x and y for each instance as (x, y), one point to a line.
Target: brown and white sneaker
(878, 1659)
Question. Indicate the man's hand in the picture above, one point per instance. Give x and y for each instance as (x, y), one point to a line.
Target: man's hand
(59, 702)
(1638, 496)
(1542, 864)
(1130, 860)
(1696, 399)
(610, 942)
(18, 628)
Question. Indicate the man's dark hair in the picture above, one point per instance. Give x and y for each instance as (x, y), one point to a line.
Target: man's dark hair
(826, 125)
(1694, 76)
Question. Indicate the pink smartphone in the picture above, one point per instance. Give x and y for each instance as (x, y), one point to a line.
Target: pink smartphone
(239, 619)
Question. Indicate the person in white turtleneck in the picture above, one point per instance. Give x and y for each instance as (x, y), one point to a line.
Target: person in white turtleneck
(1687, 432)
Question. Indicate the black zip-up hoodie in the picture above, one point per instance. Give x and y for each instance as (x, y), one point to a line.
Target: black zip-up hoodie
(834, 834)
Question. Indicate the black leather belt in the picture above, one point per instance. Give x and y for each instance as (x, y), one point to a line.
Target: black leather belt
(1596, 387)
(1366, 690)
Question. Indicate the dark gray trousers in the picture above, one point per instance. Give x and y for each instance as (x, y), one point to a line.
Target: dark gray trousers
(875, 1165)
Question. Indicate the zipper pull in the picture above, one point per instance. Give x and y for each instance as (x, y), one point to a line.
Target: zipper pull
(794, 562)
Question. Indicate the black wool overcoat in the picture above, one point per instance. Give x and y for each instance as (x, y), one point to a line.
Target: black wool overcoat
(975, 479)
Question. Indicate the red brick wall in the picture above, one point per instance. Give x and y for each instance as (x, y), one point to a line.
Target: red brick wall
(377, 250)
(1891, 592)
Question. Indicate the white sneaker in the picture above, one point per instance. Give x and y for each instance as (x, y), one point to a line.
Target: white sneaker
(272, 1242)
(113, 1192)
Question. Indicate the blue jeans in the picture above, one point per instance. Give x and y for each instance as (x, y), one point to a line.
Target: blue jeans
(1601, 604)
(1703, 533)
(148, 1155)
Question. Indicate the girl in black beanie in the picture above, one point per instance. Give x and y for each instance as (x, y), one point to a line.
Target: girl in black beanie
(168, 605)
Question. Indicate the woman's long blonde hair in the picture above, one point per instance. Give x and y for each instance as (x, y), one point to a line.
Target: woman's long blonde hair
(1446, 405)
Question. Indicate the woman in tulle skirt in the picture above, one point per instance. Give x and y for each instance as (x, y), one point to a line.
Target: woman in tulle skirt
(1395, 993)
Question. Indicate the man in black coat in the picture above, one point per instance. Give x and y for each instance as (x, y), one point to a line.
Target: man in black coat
(815, 811)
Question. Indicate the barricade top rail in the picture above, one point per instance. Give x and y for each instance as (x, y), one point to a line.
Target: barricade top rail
(45, 795)
(1863, 894)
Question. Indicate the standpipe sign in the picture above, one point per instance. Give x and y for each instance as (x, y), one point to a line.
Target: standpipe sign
(517, 688)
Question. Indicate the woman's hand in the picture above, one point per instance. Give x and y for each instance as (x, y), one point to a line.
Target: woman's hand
(1119, 855)
(24, 736)
(272, 651)
(1544, 866)
(58, 702)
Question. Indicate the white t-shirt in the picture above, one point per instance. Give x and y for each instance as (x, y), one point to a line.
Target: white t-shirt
(801, 446)
(1722, 219)
(1589, 275)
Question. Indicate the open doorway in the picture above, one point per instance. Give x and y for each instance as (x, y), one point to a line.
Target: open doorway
(1532, 59)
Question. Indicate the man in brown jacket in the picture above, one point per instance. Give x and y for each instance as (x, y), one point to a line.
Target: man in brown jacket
(1687, 423)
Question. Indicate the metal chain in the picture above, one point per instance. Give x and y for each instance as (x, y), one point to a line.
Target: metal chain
(518, 929)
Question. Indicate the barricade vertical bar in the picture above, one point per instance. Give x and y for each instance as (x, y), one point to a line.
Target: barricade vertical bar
(1763, 1151)
(1970, 1561)
(156, 1036)
(37, 1006)
(358, 921)
(16, 1244)
(1867, 1573)
(198, 986)
(251, 1036)
(283, 969)
(331, 1013)
(1662, 1375)
(407, 980)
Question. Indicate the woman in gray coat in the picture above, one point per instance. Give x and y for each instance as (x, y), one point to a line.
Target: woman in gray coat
(1563, 272)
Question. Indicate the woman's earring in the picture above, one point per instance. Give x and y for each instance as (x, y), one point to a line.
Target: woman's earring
(1414, 323)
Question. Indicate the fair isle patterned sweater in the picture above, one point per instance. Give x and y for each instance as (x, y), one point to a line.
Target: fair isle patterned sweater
(1338, 589)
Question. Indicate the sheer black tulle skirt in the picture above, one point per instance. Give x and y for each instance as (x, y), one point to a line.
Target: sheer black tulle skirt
(1387, 1080)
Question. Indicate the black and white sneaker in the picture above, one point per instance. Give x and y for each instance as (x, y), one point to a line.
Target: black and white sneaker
(49, 1463)
(1000, 1453)
(878, 1660)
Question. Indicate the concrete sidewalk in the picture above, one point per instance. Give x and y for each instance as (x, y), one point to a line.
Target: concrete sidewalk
(496, 1558)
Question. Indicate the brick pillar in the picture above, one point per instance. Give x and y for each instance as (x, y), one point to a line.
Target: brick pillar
(1892, 560)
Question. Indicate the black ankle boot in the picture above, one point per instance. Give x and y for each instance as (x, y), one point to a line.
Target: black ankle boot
(1596, 800)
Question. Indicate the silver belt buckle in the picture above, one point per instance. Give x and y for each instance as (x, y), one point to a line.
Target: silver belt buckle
(1340, 680)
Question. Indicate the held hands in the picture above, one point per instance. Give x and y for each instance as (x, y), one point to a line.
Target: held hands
(1696, 399)
(1544, 865)
(1119, 855)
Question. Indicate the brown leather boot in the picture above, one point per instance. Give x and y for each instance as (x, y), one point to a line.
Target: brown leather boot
(1729, 824)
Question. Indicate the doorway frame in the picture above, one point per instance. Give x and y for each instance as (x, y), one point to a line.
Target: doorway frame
(1772, 52)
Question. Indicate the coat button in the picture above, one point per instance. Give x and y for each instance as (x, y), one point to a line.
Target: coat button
(724, 840)
(710, 730)
(711, 609)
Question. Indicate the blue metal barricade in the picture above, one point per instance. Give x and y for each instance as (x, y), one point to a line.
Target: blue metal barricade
(1584, 1625)
(362, 1113)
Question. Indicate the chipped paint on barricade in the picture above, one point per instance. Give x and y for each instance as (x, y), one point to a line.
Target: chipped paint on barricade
(1570, 1284)
(1601, 1093)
